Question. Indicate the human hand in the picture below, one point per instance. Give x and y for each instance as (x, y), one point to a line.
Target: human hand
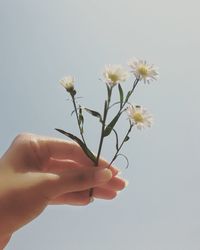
(37, 171)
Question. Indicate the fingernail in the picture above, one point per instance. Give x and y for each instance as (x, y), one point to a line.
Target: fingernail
(103, 175)
(119, 172)
(126, 183)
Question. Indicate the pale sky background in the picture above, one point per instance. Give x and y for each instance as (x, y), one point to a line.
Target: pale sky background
(43, 40)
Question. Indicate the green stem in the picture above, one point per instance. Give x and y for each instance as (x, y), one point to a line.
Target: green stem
(126, 100)
(125, 138)
(118, 114)
(106, 108)
(131, 92)
(76, 112)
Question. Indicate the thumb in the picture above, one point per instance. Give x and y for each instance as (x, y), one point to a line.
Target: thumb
(77, 179)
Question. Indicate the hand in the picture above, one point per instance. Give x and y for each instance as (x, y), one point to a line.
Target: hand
(37, 171)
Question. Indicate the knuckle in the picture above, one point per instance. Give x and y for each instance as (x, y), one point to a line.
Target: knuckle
(22, 137)
(38, 151)
(32, 150)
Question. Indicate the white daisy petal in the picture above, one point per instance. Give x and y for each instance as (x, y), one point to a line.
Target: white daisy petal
(115, 74)
(68, 83)
(139, 116)
(142, 70)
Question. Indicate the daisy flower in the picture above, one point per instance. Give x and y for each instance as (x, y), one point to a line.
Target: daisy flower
(68, 83)
(139, 116)
(143, 71)
(115, 74)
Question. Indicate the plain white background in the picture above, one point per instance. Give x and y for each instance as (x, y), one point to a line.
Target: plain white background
(42, 41)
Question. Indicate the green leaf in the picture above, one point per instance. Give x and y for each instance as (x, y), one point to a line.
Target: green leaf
(94, 113)
(80, 118)
(117, 139)
(81, 144)
(121, 94)
(72, 112)
(115, 103)
(111, 125)
(128, 95)
(126, 138)
(109, 89)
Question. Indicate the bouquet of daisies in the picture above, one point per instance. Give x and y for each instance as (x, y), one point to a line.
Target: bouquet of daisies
(114, 76)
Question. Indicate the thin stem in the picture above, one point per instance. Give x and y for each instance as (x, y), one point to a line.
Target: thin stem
(125, 138)
(118, 114)
(106, 108)
(127, 98)
(131, 92)
(76, 112)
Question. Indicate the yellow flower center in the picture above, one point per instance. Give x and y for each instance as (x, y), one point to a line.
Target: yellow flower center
(138, 117)
(143, 70)
(113, 77)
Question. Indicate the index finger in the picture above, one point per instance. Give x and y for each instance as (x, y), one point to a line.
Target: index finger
(62, 149)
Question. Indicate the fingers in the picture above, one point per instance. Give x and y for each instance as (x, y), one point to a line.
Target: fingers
(63, 149)
(60, 165)
(36, 151)
(115, 183)
(75, 179)
(82, 198)
(107, 191)
(76, 198)
(102, 193)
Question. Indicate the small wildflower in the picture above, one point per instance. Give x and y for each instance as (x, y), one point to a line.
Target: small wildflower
(68, 83)
(139, 116)
(115, 74)
(143, 71)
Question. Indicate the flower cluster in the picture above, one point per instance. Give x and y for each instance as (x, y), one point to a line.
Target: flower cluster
(114, 75)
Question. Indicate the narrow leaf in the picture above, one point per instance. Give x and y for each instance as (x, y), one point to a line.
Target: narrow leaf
(109, 89)
(115, 103)
(81, 144)
(128, 95)
(111, 125)
(126, 138)
(81, 119)
(121, 94)
(117, 139)
(94, 113)
(72, 112)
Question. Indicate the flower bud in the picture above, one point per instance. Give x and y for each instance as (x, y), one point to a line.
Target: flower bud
(68, 83)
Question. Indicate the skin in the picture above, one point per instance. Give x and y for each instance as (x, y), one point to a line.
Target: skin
(37, 171)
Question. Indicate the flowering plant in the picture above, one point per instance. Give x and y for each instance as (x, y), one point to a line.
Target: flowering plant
(114, 75)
